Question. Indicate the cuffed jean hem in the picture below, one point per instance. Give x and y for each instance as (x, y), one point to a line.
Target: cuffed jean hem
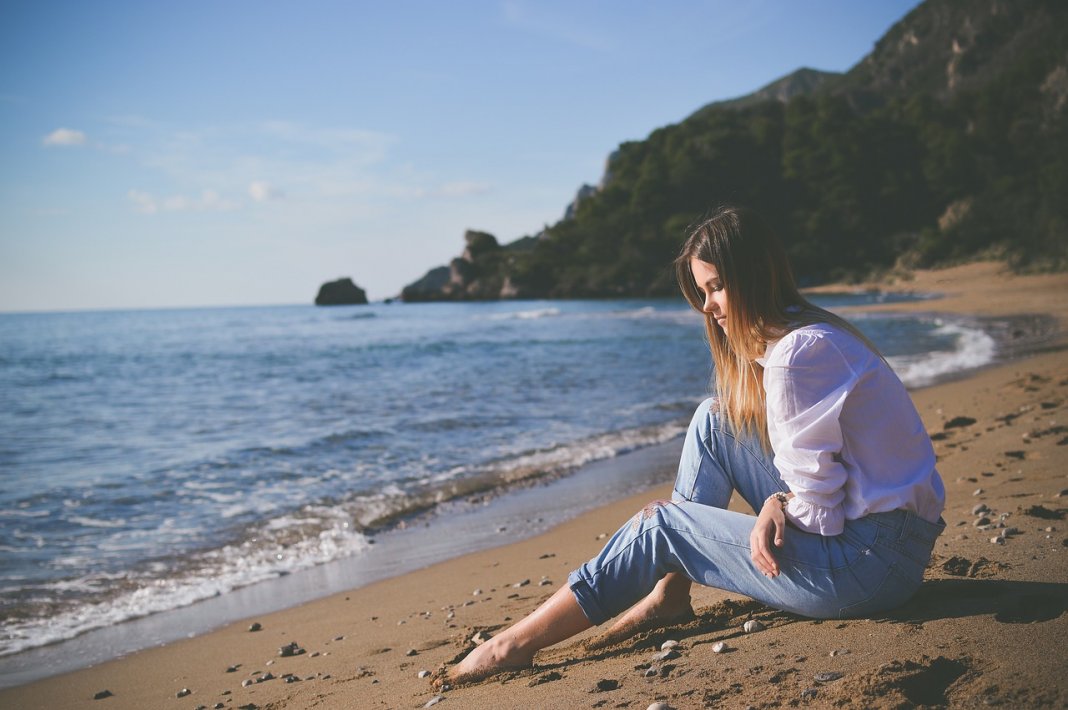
(586, 599)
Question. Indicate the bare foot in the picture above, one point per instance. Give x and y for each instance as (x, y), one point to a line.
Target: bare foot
(497, 655)
(668, 604)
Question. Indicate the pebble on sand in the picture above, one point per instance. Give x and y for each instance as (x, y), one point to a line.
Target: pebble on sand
(480, 638)
(290, 649)
(660, 706)
(411, 652)
(423, 674)
(827, 677)
(105, 693)
(255, 626)
(719, 647)
(434, 701)
(183, 692)
(670, 643)
(521, 583)
(752, 626)
(666, 655)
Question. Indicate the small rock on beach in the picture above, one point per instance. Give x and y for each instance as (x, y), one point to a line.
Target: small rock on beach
(827, 677)
(290, 649)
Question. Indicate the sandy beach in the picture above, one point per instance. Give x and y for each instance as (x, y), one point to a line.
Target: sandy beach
(987, 628)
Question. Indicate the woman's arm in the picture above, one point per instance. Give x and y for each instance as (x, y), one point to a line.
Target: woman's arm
(807, 381)
(770, 529)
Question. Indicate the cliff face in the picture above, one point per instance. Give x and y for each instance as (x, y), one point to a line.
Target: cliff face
(479, 274)
(950, 139)
(943, 48)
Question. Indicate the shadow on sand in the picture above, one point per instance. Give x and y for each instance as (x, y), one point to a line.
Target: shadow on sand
(1009, 602)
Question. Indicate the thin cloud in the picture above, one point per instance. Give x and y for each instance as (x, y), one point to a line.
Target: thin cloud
(207, 201)
(370, 146)
(64, 137)
(145, 203)
(524, 17)
(462, 189)
(261, 191)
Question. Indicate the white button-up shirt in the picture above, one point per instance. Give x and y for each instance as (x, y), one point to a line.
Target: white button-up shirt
(847, 438)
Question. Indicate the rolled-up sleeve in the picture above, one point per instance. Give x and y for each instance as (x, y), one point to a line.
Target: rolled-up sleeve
(807, 381)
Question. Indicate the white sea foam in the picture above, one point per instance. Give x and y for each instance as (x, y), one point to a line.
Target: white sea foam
(94, 523)
(318, 535)
(562, 458)
(526, 315)
(973, 348)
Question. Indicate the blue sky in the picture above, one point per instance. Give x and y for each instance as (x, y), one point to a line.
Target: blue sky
(158, 154)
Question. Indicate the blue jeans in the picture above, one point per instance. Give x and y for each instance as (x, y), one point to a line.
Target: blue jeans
(875, 564)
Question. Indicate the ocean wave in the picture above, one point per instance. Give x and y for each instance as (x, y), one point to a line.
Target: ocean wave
(493, 477)
(314, 536)
(94, 523)
(973, 348)
(286, 543)
(526, 315)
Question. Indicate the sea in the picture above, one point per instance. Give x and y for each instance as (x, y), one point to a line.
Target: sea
(154, 459)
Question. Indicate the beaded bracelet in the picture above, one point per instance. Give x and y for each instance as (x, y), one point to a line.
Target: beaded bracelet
(781, 497)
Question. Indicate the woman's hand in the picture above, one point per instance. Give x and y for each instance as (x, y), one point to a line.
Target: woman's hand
(770, 526)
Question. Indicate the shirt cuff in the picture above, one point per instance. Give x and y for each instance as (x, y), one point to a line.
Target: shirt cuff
(817, 519)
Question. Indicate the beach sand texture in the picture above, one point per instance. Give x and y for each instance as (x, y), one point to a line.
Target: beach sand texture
(988, 627)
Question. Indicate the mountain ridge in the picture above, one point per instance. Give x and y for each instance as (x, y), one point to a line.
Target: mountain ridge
(943, 143)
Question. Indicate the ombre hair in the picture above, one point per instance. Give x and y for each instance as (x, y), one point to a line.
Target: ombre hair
(763, 304)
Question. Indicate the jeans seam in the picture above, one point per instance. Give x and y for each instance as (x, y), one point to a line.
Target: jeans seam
(775, 477)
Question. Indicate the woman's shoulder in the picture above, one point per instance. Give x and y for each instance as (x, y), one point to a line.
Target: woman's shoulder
(810, 340)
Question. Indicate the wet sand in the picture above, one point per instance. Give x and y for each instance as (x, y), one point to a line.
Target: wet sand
(987, 627)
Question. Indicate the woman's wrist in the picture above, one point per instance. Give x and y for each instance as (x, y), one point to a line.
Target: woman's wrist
(778, 498)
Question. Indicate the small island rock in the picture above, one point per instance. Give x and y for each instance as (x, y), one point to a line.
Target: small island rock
(342, 292)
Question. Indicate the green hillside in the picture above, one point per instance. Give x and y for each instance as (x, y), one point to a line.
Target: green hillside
(949, 141)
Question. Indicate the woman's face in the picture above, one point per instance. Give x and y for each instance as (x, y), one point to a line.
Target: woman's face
(711, 289)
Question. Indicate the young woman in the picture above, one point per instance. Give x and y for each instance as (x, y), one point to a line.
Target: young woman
(809, 425)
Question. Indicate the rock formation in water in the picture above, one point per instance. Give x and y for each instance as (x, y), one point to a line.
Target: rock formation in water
(342, 292)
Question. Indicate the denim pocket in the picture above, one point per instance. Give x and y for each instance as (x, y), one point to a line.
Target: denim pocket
(895, 588)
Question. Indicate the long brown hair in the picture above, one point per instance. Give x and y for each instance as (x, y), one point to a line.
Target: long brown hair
(763, 304)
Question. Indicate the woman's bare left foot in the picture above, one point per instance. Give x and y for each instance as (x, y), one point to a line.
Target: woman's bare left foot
(494, 656)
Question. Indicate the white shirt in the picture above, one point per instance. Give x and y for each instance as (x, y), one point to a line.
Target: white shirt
(846, 436)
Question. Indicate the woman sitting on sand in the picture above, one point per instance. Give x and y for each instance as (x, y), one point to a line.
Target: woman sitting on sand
(810, 426)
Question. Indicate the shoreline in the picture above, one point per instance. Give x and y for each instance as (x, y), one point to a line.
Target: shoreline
(462, 524)
(116, 629)
(412, 602)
